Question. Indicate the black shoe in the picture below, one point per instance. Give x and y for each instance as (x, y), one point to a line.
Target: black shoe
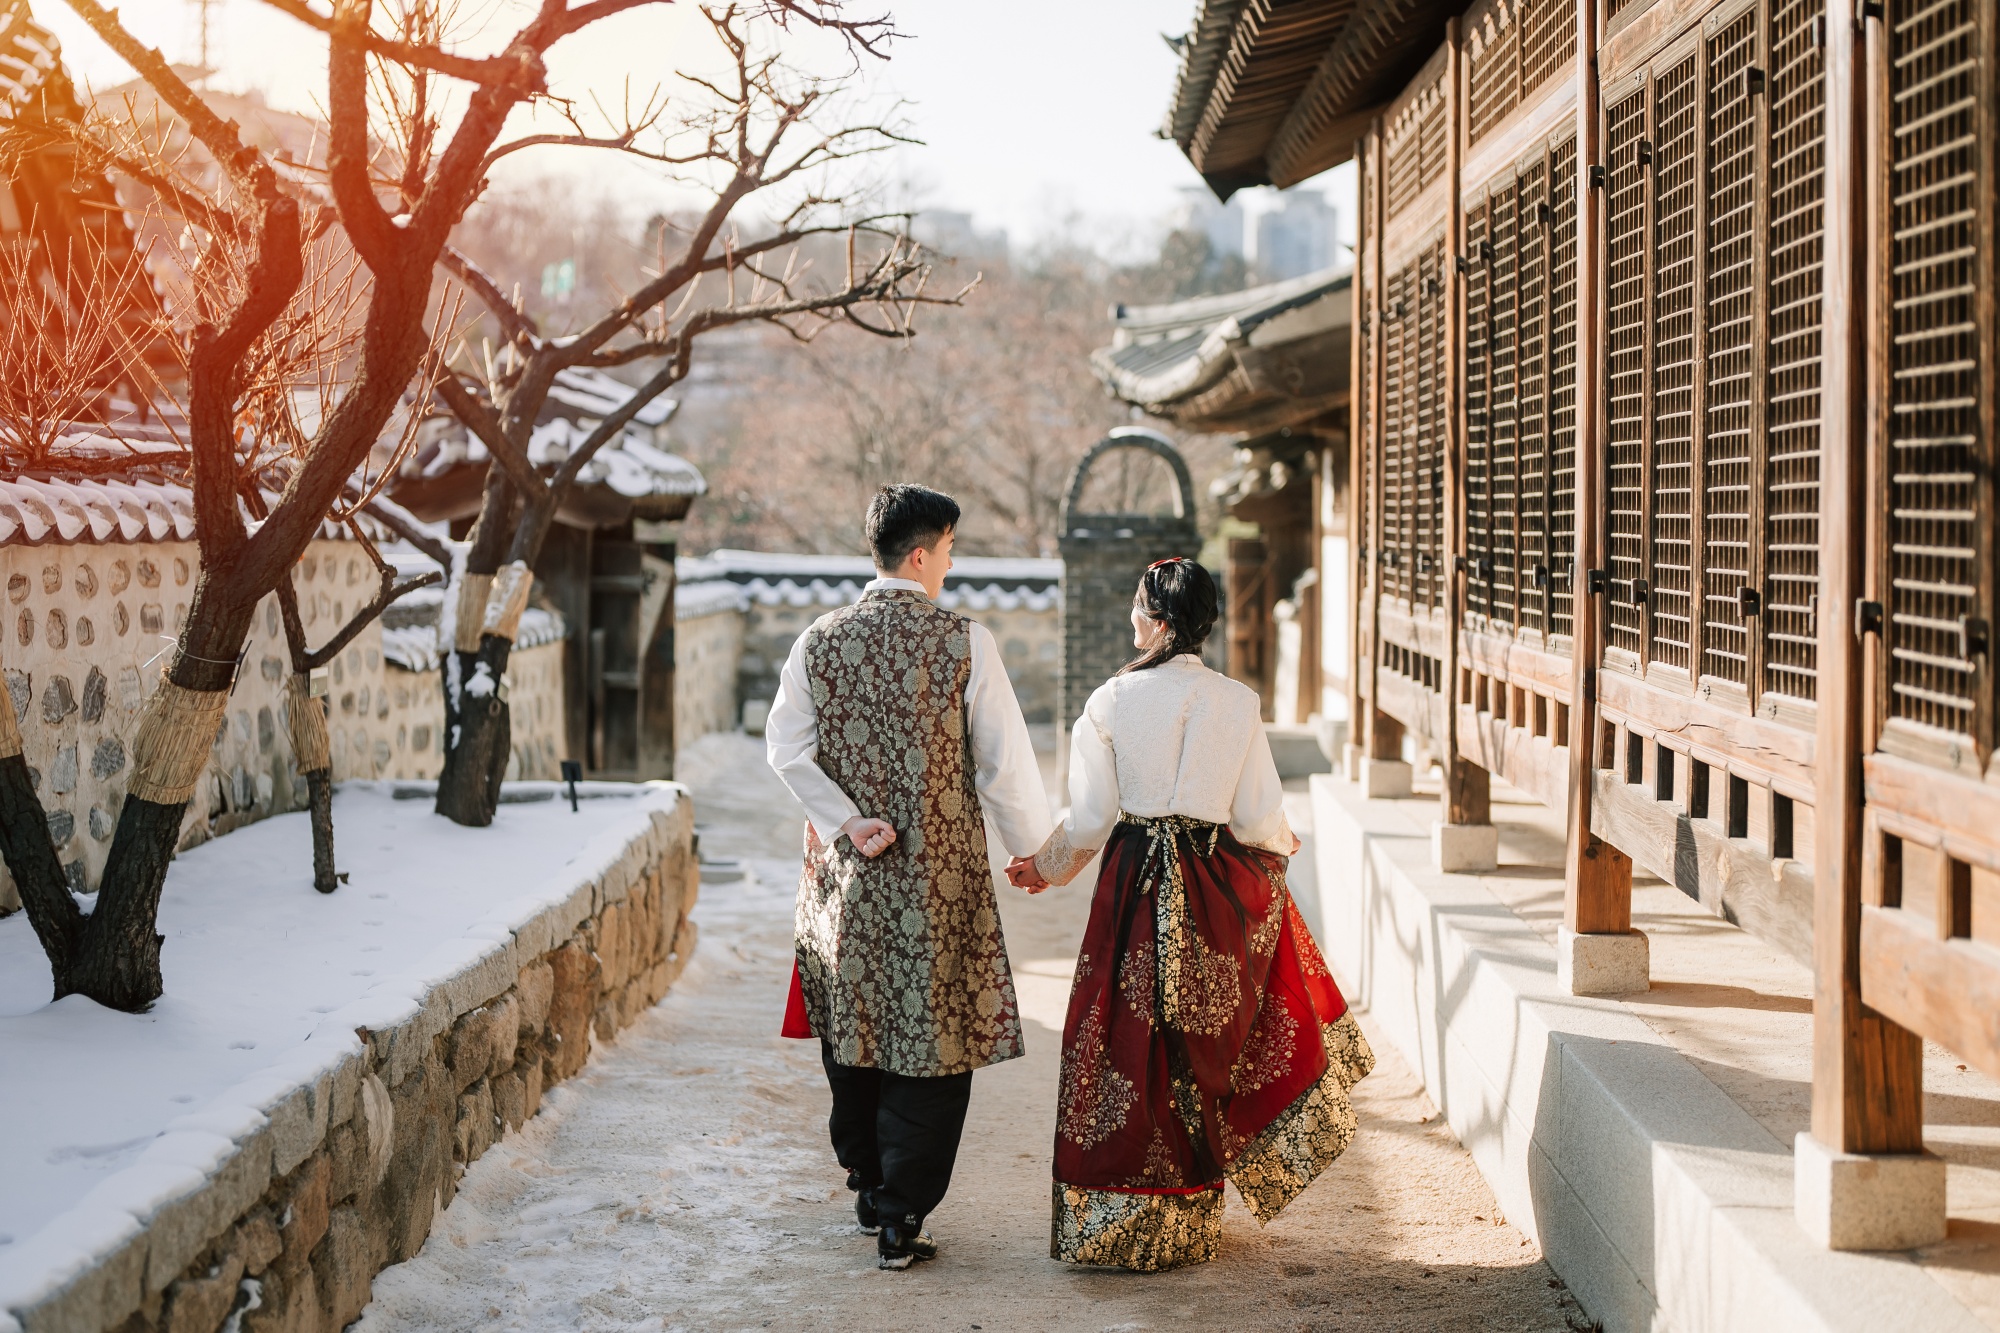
(899, 1246)
(864, 1212)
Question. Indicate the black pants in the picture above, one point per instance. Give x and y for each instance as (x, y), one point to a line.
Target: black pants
(898, 1134)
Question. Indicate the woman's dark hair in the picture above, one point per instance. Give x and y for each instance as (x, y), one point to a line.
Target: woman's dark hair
(1180, 594)
(903, 517)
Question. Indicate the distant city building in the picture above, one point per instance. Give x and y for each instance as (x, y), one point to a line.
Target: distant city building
(1297, 237)
(1221, 223)
(954, 235)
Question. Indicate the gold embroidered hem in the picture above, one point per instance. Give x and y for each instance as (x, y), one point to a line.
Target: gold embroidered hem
(1309, 1134)
(1146, 1233)
(1058, 861)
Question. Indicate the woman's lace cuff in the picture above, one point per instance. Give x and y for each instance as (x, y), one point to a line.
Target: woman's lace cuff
(1282, 840)
(1058, 862)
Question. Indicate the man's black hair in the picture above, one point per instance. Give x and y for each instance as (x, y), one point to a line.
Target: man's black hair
(903, 517)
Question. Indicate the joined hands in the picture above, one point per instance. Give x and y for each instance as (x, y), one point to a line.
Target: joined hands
(1022, 874)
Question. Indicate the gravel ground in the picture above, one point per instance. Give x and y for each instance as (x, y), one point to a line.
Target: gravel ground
(683, 1181)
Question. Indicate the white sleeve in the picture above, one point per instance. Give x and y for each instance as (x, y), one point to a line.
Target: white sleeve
(791, 745)
(1258, 810)
(1093, 776)
(1005, 774)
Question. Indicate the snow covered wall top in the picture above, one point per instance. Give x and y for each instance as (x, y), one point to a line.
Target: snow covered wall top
(277, 998)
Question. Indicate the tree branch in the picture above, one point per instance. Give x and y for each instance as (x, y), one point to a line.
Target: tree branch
(514, 321)
(506, 70)
(478, 418)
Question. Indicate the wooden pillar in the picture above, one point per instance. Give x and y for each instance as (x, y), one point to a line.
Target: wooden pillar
(1360, 434)
(1467, 792)
(1597, 877)
(1867, 1071)
(1382, 735)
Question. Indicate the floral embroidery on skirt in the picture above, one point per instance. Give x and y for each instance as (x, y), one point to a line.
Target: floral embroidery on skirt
(1237, 1066)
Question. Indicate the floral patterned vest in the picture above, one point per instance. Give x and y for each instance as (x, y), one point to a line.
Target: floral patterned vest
(901, 961)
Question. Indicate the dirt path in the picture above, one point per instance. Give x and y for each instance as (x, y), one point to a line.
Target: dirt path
(683, 1180)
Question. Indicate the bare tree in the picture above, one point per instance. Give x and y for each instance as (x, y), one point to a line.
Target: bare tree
(762, 131)
(403, 163)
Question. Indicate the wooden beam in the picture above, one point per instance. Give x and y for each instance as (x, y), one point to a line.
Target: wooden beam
(1597, 877)
(1867, 1070)
(1949, 989)
(1373, 741)
(1468, 788)
(1361, 334)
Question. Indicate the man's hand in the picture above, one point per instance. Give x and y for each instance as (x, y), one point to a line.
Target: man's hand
(1022, 874)
(871, 837)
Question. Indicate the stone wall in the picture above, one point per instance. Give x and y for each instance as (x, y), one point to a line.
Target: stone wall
(83, 635)
(707, 650)
(412, 727)
(288, 1232)
(86, 629)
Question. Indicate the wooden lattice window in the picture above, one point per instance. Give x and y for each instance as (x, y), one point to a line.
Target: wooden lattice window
(1399, 412)
(1670, 401)
(1513, 48)
(1415, 154)
(1562, 387)
(1715, 222)
(1625, 362)
(1427, 459)
(1938, 469)
(1478, 411)
(1797, 208)
(1531, 393)
(1734, 355)
(1502, 256)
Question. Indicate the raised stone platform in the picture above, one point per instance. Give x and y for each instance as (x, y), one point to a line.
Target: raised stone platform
(1644, 1142)
(271, 1208)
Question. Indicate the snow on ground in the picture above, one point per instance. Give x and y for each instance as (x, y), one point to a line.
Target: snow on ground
(109, 1114)
(683, 1181)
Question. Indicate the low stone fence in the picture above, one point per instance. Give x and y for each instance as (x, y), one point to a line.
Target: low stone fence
(346, 1173)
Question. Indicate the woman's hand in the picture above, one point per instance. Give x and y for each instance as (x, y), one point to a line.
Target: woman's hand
(1022, 874)
(871, 837)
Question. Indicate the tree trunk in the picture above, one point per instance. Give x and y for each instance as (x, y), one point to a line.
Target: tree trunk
(479, 744)
(119, 963)
(319, 804)
(38, 873)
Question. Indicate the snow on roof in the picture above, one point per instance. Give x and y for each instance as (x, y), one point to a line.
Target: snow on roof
(415, 647)
(54, 509)
(596, 394)
(778, 566)
(832, 593)
(694, 600)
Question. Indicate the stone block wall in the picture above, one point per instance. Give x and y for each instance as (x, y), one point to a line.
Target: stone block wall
(84, 631)
(707, 650)
(288, 1233)
(409, 731)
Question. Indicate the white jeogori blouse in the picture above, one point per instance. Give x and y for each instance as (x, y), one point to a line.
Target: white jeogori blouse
(1176, 739)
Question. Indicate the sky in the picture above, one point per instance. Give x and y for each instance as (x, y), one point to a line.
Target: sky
(1037, 116)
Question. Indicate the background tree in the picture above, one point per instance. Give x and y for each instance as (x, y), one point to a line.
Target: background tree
(404, 160)
(764, 132)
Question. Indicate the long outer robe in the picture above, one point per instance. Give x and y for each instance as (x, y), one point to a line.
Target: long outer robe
(901, 963)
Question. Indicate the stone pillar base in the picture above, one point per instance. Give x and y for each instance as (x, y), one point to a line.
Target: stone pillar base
(1385, 779)
(1465, 847)
(1608, 964)
(1872, 1201)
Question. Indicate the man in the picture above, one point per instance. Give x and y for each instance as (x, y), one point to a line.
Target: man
(897, 729)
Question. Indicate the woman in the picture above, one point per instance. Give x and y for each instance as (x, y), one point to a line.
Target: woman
(1205, 1037)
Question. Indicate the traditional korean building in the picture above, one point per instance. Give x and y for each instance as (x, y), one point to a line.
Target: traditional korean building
(1673, 490)
(1269, 366)
(607, 566)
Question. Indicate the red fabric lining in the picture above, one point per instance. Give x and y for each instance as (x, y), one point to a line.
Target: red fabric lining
(796, 1022)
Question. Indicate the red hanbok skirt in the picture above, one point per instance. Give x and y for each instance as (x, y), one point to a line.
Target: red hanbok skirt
(1205, 1041)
